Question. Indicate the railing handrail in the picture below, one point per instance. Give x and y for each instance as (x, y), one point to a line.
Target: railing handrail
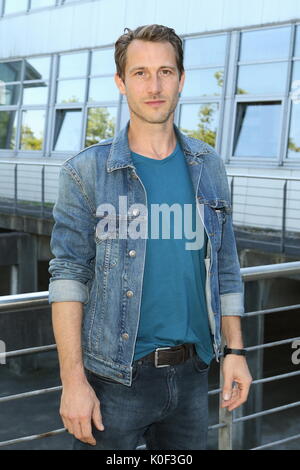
(33, 162)
(229, 173)
(267, 177)
(226, 421)
(38, 299)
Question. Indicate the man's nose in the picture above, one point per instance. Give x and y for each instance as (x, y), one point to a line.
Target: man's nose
(154, 85)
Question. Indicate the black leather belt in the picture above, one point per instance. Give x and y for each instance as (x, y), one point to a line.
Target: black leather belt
(170, 355)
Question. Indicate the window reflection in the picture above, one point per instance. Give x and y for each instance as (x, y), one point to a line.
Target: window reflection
(259, 79)
(37, 69)
(297, 45)
(103, 62)
(41, 3)
(294, 137)
(13, 6)
(10, 71)
(101, 124)
(296, 72)
(265, 44)
(257, 130)
(32, 129)
(103, 89)
(200, 121)
(73, 65)
(67, 131)
(205, 51)
(8, 129)
(203, 82)
(9, 94)
(71, 91)
(35, 93)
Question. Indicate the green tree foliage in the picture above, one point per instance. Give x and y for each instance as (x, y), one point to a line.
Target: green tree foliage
(29, 141)
(293, 147)
(101, 125)
(204, 130)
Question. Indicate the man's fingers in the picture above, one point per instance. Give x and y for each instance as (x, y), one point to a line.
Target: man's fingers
(86, 432)
(227, 389)
(67, 425)
(76, 429)
(97, 417)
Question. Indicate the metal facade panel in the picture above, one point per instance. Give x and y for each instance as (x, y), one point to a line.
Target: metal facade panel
(92, 24)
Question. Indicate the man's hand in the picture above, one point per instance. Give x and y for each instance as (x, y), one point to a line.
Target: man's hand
(78, 408)
(235, 369)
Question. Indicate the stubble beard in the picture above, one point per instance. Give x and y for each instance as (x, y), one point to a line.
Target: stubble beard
(159, 119)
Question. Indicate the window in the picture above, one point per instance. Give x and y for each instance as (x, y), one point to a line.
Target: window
(32, 129)
(10, 94)
(200, 121)
(293, 150)
(72, 78)
(42, 3)
(265, 44)
(101, 119)
(68, 126)
(7, 129)
(257, 129)
(35, 86)
(24, 86)
(101, 124)
(260, 90)
(15, 6)
(204, 62)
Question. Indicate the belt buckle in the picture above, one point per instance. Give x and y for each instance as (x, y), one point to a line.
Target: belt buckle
(156, 357)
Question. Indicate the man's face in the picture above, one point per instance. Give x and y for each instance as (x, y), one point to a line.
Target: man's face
(151, 83)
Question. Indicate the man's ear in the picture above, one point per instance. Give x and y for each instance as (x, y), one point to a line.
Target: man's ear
(120, 84)
(181, 82)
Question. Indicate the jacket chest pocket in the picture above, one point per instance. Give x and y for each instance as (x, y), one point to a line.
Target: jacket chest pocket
(218, 213)
(107, 244)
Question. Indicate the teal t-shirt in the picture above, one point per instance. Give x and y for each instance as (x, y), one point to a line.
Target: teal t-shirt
(173, 307)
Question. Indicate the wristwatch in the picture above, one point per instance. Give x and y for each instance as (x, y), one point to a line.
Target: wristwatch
(239, 352)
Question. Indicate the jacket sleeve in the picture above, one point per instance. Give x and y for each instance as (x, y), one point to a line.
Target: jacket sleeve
(72, 241)
(230, 280)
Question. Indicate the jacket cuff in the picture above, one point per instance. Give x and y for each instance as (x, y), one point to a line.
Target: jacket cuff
(232, 304)
(67, 290)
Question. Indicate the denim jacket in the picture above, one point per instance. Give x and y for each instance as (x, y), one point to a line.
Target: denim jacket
(106, 273)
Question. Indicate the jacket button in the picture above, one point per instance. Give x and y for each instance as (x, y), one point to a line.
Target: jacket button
(135, 212)
(125, 336)
(129, 293)
(132, 253)
(119, 374)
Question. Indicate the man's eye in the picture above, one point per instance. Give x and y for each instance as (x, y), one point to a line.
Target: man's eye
(166, 72)
(140, 73)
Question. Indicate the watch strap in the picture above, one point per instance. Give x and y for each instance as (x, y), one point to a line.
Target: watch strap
(239, 352)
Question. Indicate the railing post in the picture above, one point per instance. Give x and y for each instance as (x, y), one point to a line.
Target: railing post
(225, 417)
(231, 190)
(43, 191)
(16, 187)
(283, 217)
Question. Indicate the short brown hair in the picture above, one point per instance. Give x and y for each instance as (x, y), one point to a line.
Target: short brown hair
(152, 32)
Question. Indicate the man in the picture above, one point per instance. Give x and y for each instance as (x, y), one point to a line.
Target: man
(137, 318)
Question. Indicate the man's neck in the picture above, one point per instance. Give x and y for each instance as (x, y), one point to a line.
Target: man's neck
(152, 140)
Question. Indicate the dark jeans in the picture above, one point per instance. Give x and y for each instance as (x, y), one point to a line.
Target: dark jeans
(168, 406)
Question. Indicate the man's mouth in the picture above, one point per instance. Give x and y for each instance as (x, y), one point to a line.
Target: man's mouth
(155, 103)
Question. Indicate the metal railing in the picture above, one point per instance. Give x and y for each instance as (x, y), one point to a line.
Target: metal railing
(18, 206)
(286, 180)
(44, 208)
(226, 420)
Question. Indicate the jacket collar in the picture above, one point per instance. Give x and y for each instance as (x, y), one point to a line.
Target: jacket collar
(120, 154)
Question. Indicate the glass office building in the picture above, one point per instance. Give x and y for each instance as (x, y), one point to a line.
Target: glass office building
(242, 90)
